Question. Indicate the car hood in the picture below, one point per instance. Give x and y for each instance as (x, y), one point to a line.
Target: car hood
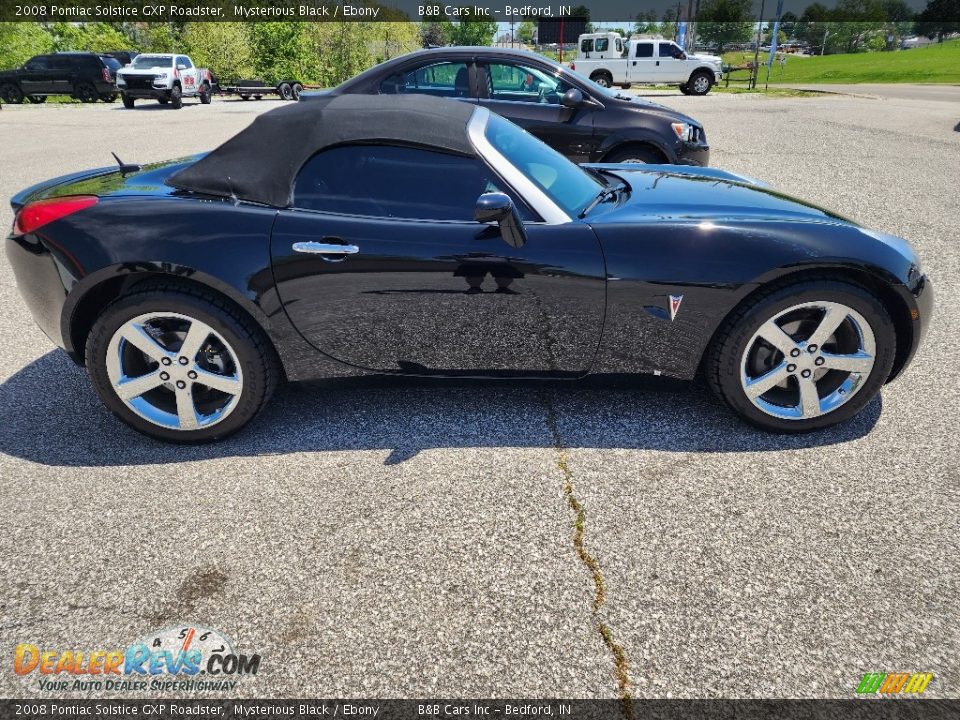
(648, 106)
(700, 195)
(128, 70)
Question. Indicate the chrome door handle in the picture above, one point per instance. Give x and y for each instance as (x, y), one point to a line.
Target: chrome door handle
(318, 248)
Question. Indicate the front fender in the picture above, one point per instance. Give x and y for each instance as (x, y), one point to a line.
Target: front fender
(635, 136)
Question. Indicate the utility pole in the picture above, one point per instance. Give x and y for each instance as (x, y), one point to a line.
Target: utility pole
(756, 54)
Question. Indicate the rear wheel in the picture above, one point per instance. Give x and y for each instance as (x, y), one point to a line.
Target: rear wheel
(700, 83)
(180, 365)
(37, 99)
(109, 97)
(634, 154)
(128, 101)
(85, 92)
(804, 356)
(297, 89)
(603, 79)
(11, 93)
(176, 97)
(206, 95)
(286, 91)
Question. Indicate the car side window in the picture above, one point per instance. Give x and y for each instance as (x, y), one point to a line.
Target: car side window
(40, 62)
(669, 50)
(394, 182)
(586, 45)
(602, 44)
(185, 61)
(644, 50)
(513, 82)
(443, 79)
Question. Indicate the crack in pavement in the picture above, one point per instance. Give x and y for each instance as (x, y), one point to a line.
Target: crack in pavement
(620, 660)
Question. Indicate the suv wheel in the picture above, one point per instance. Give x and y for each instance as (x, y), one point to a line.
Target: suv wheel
(108, 97)
(10, 93)
(603, 79)
(85, 92)
(37, 99)
(700, 83)
(176, 97)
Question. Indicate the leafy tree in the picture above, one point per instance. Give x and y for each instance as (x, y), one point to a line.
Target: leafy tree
(645, 23)
(162, 38)
(21, 41)
(435, 34)
(725, 22)
(473, 32)
(223, 47)
(389, 39)
(92, 37)
(525, 31)
(279, 50)
(939, 18)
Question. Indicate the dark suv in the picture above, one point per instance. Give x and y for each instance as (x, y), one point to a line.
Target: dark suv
(576, 117)
(86, 76)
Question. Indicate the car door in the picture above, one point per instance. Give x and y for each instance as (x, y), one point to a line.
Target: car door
(35, 75)
(531, 97)
(380, 265)
(671, 67)
(643, 63)
(188, 75)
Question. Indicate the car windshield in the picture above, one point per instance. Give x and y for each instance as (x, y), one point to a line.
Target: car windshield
(110, 62)
(145, 62)
(569, 186)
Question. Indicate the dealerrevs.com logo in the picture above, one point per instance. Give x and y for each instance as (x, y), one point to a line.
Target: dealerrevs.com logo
(177, 658)
(894, 683)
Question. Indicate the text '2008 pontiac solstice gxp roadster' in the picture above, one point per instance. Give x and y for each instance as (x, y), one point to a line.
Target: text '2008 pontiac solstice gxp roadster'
(427, 237)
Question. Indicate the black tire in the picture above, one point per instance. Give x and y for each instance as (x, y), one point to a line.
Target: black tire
(297, 89)
(11, 93)
(244, 97)
(603, 79)
(723, 360)
(285, 91)
(176, 97)
(626, 86)
(685, 89)
(635, 154)
(163, 101)
(37, 99)
(85, 92)
(254, 354)
(109, 97)
(128, 102)
(206, 95)
(258, 97)
(700, 83)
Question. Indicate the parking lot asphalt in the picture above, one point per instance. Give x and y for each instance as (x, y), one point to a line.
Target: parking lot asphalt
(374, 539)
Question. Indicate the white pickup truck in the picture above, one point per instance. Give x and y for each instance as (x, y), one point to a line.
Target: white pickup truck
(165, 78)
(608, 60)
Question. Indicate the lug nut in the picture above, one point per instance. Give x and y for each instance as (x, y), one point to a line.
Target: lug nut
(183, 360)
(819, 361)
(811, 348)
(164, 376)
(165, 361)
(181, 384)
(791, 368)
(192, 375)
(805, 373)
(795, 352)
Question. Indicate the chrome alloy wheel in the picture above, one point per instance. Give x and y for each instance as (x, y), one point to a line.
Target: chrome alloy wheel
(808, 360)
(701, 84)
(174, 371)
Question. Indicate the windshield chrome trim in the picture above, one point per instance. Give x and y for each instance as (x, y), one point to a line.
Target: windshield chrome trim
(541, 203)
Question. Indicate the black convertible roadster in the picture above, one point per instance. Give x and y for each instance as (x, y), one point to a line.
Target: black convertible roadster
(427, 237)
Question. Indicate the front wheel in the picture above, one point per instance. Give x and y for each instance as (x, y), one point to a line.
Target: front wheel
(10, 93)
(602, 79)
(700, 83)
(128, 102)
(634, 154)
(179, 365)
(685, 89)
(176, 97)
(803, 356)
(285, 91)
(205, 94)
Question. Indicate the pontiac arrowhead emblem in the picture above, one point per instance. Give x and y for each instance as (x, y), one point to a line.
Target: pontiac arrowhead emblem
(675, 301)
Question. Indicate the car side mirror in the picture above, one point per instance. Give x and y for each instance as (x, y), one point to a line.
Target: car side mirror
(497, 207)
(572, 98)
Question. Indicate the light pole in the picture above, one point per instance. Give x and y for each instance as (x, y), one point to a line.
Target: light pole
(756, 54)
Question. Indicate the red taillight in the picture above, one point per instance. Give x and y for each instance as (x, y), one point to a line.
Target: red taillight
(106, 75)
(35, 215)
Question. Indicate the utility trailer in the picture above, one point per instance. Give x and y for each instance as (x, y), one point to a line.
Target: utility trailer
(254, 88)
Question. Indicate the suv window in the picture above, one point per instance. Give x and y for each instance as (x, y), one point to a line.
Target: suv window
(514, 82)
(644, 50)
(377, 181)
(40, 62)
(443, 79)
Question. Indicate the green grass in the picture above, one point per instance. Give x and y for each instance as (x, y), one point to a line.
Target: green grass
(937, 63)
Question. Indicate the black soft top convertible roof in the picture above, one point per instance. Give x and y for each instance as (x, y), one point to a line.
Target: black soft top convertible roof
(260, 163)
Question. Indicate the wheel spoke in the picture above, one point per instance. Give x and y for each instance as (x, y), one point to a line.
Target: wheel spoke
(758, 386)
(196, 336)
(828, 325)
(859, 362)
(229, 384)
(774, 334)
(135, 387)
(186, 410)
(136, 335)
(809, 398)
